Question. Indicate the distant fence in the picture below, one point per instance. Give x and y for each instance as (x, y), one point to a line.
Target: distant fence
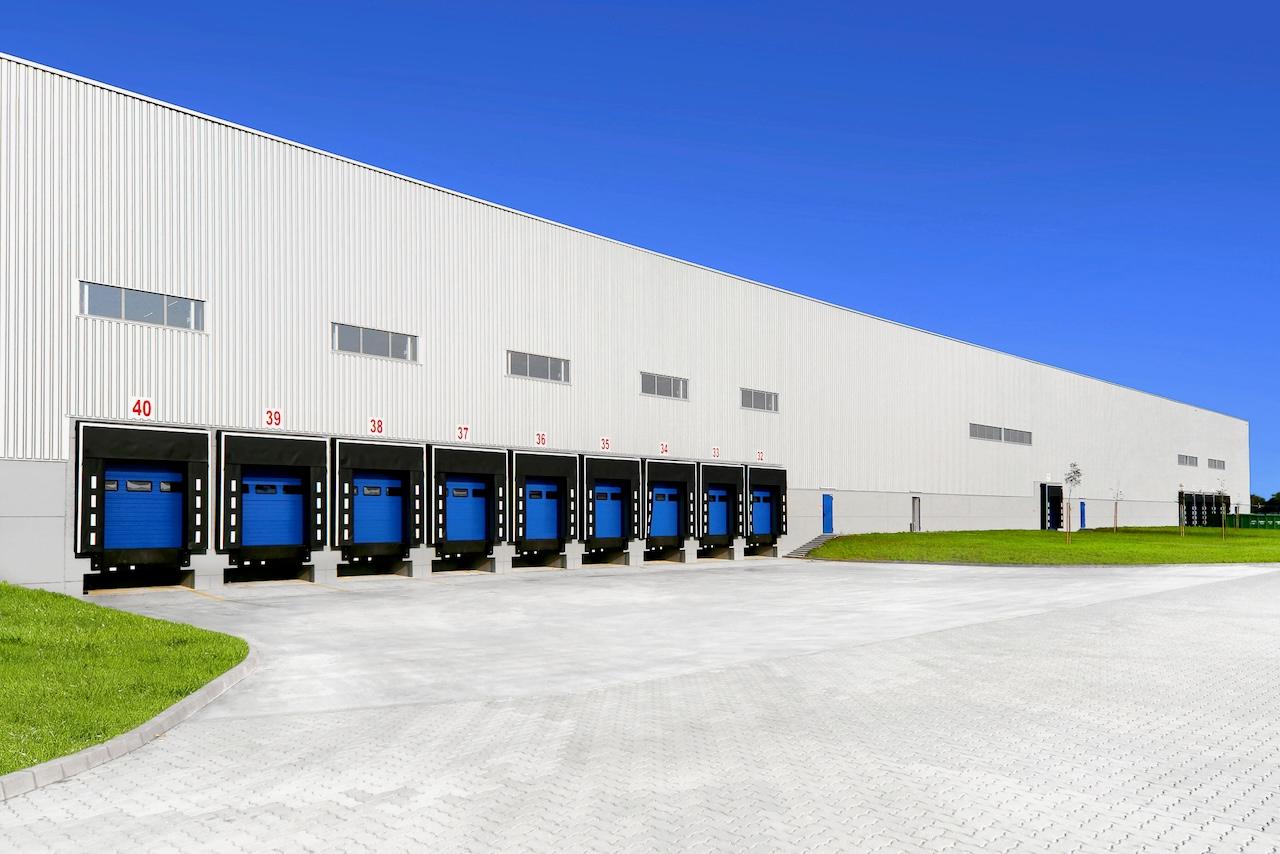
(1254, 520)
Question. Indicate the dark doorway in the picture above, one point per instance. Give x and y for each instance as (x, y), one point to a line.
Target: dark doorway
(1050, 507)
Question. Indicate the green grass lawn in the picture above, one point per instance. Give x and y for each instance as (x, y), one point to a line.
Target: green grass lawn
(1091, 546)
(73, 674)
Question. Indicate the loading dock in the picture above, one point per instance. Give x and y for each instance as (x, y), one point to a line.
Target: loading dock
(611, 516)
(272, 504)
(143, 506)
(273, 507)
(671, 509)
(607, 498)
(762, 502)
(664, 511)
(1203, 509)
(378, 508)
(466, 512)
(718, 511)
(140, 502)
(543, 503)
(544, 494)
(469, 512)
(767, 518)
(722, 510)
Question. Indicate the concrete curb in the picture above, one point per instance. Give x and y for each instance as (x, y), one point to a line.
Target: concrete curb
(55, 770)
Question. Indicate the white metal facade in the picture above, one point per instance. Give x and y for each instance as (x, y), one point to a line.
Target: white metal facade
(280, 241)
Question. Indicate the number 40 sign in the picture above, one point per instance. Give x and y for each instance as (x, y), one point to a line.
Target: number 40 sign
(142, 409)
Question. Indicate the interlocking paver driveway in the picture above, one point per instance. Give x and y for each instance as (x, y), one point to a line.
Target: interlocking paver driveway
(765, 706)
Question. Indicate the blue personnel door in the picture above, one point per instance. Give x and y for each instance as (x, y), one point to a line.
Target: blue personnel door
(717, 511)
(466, 509)
(607, 498)
(541, 509)
(761, 512)
(274, 507)
(143, 508)
(665, 521)
(379, 508)
(828, 514)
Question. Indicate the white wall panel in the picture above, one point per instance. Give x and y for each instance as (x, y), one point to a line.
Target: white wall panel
(281, 240)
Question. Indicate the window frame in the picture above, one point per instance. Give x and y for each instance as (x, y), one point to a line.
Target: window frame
(552, 362)
(770, 397)
(335, 336)
(975, 432)
(195, 308)
(677, 384)
(1027, 433)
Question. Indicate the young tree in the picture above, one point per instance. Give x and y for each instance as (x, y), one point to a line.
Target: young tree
(1221, 498)
(1182, 511)
(1071, 479)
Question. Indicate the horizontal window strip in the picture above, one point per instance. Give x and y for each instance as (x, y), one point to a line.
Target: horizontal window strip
(765, 401)
(141, 306)
(661, 385)
(375, 342)
(536, 367)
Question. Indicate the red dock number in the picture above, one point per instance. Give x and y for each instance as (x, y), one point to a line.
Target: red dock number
(140, 407)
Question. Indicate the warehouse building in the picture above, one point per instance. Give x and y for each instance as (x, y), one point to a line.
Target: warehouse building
(227, 355)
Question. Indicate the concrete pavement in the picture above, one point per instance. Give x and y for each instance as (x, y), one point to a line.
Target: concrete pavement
(770, 705)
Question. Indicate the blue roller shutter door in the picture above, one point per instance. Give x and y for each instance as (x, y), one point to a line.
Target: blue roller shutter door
(466, 504)
(379, 508)
(143, 507)
(717, 511)
(665, 521)
(761, 512)
(608, 511)
(274, 508)
(541, 509)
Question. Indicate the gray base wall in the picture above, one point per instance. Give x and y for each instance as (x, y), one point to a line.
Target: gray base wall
(37, 516)
(36, 547)
(877, 512)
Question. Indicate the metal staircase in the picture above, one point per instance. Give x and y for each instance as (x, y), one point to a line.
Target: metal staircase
(803, 551)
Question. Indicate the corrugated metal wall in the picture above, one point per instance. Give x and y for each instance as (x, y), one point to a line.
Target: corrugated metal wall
(281, 240)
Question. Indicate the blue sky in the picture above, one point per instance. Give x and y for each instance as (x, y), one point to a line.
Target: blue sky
(1095, 186)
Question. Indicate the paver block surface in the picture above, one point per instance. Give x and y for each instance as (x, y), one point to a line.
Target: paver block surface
(769, 705)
